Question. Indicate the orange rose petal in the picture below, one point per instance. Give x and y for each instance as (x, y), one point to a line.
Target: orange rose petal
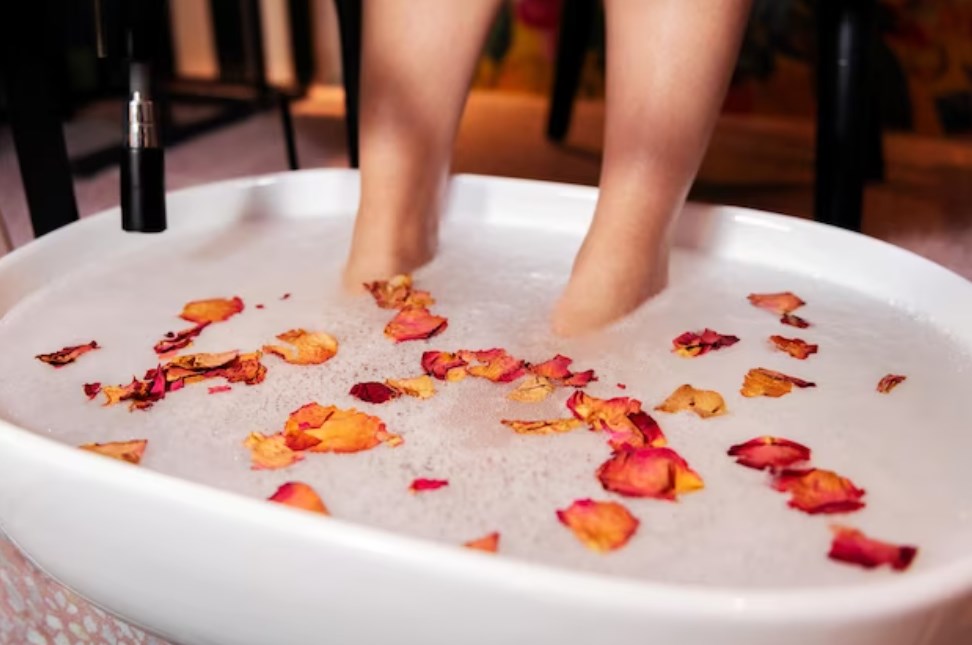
(318, 428)
(705, 403)
(141, 394)
(660, 473)
(691, 344)
(415, 323)
(373, 392)
(795, 347)
(397, 293)
(495, 365)
(815, 491)
(421, 484)
(219, 388)
(852, 546)
(773, 453)
(67, 355)
(420, 387)
(779, 303)
(794, 321)
(441, 364)
(488, 543)
(889, 382)
(130, 451)
(580, 379)
(622, 418)
(212, 310)
(548, 426)
(763, 382)
(308, 347)
(299, 495)
(531, 390)
(192, 364)
(245, 368)
(174, 341)
(270, 452)
(556, 369)
(600, 526)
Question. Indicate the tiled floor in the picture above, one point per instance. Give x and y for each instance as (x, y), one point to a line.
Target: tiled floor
(925, 205)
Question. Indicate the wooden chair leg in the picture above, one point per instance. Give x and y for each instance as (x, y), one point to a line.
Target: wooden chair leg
(843, 95)
(349, 25)
(576, 19)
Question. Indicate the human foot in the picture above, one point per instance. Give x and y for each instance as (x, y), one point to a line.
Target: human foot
(615, 272)
(384, 246)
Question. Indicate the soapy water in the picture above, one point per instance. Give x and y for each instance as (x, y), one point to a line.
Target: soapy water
(497, 286)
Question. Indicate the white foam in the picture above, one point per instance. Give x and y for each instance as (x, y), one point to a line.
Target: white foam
(496, 286)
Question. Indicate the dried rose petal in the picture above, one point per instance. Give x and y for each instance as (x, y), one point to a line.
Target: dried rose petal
(260, 306)
(174, 341)
(421, 484)
(318, 428)
(794, 321)
(219, 388)
(851, 545)
(397, 293)
(795, 347)
(245, 368)
(557, 368)
(531, 390)
(600, 526)
(622, 386)
(420, 387)
(660, 473)
(91, 390)
(141, 394)
(622, 418)
(495, 365)
(130, 451)
(299, 495)
(488, 543)
(692, 344)
(763, 382)
(443, 365)
(286, 296)
(415, 323)
(769, 452)
(815, 491)
(67, 355)
(270, 452)
(580, 379)
(778, 303)
(373, 392)
(212, 310)
(705, 403)
(309, 347)
(889, 382)
(548, 426)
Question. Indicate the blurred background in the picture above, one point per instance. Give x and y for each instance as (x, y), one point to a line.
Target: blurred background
(235, 70)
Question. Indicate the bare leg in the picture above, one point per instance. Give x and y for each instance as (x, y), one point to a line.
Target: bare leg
(669, 63)
(417, 63)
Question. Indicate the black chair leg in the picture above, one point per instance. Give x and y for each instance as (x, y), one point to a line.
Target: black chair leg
(349, 25)
(843, 95)
(26, 31)
(576, 19)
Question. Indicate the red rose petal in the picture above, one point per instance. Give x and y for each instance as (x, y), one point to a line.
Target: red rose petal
(174, 341)
(622, 418)
(794, 321)
(769, 452)
(422, 484)
(286, 296)
(815, 491)
(67, 355)
(495, 365)
(555, 369)
(889, 382)
(415, 323)
(443, 364)
(91, 390)
(779, 303)
(600, 526)
(299, 495)
(691, 344)
(219, 388)
(660, 473)
(373, 392)
(852, 546)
